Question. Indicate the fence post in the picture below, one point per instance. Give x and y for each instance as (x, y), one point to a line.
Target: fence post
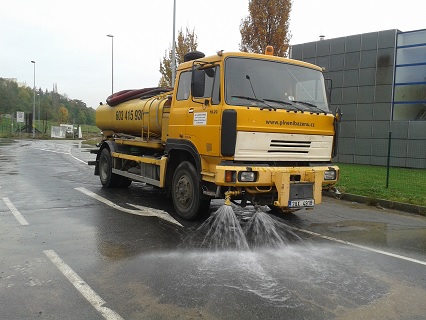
(388, 161)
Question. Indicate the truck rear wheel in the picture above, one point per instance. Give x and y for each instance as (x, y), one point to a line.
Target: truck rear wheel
(108, 179)
(187, 193)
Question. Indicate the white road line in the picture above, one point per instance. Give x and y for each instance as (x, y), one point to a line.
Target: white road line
(49, 150)
(95, 300)
(143, 211)
(69, 151)
(62, 152)
(15, 212)
(361, 246)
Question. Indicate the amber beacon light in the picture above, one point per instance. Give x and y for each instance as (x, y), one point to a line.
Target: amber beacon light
(269, 50)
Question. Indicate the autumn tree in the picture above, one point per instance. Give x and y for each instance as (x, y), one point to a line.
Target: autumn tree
(267, 24)
(63, 114)
(184, 44)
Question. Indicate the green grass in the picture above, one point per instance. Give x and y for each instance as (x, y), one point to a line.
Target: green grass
(9, 131)
(405, 185)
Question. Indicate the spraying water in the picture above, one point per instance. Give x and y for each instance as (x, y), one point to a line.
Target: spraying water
(223, 231)
(228, 230)
(262, 230)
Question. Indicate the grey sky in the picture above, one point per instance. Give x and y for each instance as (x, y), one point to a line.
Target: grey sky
(68, 41)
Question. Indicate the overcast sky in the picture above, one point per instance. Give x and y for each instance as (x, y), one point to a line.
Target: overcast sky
(68, 41)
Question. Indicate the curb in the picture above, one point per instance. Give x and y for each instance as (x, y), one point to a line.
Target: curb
(406, 207)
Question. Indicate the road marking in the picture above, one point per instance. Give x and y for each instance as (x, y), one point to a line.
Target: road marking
(361, 246)
(49, 150)
(69, 151)
(95, 300)
(15, 212)
(143, 211)
(62, 152)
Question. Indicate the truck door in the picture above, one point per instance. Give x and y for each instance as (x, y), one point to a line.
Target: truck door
(203, 119)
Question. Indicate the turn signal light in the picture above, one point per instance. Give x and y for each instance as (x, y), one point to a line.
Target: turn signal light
(230, 176)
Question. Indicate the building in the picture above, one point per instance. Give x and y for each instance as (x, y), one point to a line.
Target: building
(20, 84)
(379, 81)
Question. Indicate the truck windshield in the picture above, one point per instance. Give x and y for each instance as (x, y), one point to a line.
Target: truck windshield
(255, 82)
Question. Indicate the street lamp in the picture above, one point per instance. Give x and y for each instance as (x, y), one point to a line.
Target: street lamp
(38, 95)
(112, 62)
(173, 47)
(33, 62)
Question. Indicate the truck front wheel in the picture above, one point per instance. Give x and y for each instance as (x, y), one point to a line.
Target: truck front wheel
(187, 193)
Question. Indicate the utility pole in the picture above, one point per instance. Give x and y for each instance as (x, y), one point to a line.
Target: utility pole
(172, 80)
(33, 62)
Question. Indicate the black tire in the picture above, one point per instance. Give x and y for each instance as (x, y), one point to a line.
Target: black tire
(108, 179)
(187, 193)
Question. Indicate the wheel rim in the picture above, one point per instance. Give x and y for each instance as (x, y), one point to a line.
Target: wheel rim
(184, 191)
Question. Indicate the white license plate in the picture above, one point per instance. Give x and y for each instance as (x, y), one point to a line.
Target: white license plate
(301, 203)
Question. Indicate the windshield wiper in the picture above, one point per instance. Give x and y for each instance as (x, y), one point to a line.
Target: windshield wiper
(311, 105)
(254, 99)
(284, 103)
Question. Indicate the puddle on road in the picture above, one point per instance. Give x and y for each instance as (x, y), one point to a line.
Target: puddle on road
(5, 141)
(273, 272)
(7, 158)
(407, 238)
(306, 281)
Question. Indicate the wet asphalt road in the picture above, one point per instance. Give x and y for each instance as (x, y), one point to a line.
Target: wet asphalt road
(68, 252)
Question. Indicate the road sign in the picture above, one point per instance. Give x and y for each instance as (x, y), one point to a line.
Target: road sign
(20, 116)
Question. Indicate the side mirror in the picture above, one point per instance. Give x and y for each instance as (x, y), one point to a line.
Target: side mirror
(198, 83)
(328, 88)
(338, 114)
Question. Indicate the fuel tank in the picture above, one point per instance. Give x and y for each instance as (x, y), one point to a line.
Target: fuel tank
(134, 117)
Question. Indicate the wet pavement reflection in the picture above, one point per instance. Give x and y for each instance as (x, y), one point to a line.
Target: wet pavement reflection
(241, 263)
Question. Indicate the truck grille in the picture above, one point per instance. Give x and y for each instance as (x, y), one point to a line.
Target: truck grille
(264, 146)
(286, 146)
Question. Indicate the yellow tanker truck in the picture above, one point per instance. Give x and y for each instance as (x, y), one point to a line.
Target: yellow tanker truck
(247, 128)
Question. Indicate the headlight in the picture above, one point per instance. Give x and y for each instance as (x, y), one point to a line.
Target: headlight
(330, 175)
(247, 176)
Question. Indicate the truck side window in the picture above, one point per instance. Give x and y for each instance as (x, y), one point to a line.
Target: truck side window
(216, 86)
(211, 78)
(184, 86)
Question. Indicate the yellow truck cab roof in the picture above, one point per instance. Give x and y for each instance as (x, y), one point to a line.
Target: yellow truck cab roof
(224, 55)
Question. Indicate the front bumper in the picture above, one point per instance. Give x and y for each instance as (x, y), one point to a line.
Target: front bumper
(286, 187)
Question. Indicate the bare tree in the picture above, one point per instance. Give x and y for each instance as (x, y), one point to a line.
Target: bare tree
(185, 43)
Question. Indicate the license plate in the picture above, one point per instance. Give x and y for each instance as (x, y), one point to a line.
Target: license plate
(301, 203)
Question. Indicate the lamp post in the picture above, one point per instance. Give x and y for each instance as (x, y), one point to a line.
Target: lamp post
(38, 95)
(112, 62)
(33, 62)
(172, 80)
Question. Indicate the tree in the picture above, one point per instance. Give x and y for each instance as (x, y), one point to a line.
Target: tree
(267, 24)
(63, 114)
(81, 117)
(52, 105)
(185, 43)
